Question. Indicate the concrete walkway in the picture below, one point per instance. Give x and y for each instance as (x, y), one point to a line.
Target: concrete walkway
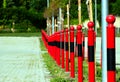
(21, 60)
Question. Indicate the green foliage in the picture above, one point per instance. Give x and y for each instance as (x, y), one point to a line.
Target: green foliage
(26, 14)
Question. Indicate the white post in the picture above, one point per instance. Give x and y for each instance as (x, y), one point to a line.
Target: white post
(104, 50)
(53, 23)
(48, 27)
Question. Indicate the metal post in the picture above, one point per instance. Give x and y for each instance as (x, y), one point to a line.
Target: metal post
(111, 68)
(48, 19)
(53, 23)
(80, 57)
(104, 50)
(72, 61)
(91, 62)
(96, 16)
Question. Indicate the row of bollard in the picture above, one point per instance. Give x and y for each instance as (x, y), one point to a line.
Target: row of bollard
(58, 46)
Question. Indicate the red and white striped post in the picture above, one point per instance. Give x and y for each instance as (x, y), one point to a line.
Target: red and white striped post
(66, 50)
(91, 64)
(72, 61)
(111, 74)
(80, 57)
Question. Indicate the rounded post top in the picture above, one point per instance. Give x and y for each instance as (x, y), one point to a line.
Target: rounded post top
(90, 24)
(110, 19)
(66, 30)
(79, 27)
(72, 28)
(62, 31)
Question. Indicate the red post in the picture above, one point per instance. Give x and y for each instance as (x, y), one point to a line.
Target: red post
(58, 47)
(111, 75)
(62, 34)
(66, 50)
(55, 47)
(83, 45)
(80, 57)
(72, 73)
(91, 64)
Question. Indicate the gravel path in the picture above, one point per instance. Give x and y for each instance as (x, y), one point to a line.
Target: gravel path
(21, 61)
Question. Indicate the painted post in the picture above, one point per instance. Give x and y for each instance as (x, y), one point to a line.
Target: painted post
(67, 51)
(111, 75)
(72, 73)
(91, 64)
(83, 45)
(80, 57)
(62, 34)
(55, 47)
(58, 48)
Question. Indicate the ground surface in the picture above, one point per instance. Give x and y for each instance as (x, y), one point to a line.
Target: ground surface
(21, 60)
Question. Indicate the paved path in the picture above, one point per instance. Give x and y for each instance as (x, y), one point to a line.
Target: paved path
(21, 61)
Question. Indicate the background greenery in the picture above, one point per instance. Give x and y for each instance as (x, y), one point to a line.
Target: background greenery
(27, 15)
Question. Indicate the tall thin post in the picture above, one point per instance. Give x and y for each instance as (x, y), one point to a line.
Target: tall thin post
(79, 11)
(96, 16)
(104, 50)
(111, 68)
(68, 22)
(91, 12)
(48, 18)
(53, 26)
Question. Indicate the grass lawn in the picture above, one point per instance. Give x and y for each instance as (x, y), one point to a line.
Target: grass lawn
(21, 34)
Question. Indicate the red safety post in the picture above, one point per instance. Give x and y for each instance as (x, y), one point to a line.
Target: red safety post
(66, 50)
(80, 57)
(50, 45)
(111, 74)
(72, 73)
(91, 64)
(55, 46)
(58, 48)
(62, 34)
(83, 45)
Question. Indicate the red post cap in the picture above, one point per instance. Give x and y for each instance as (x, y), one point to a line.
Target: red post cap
(62, 31)
(66, 30)
(110, 19)
(72, 28)
(90, 24)
(79, 27)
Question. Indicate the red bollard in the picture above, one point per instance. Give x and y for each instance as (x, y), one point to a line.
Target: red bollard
(80, 57)
(66, 50)
(111, 75)
(83, 45)
(62, 34)
(91, 65)
(58, 48)
(72, 61)
(55, 47)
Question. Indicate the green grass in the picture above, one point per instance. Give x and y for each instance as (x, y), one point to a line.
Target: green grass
(21, 34)
(42, 45)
